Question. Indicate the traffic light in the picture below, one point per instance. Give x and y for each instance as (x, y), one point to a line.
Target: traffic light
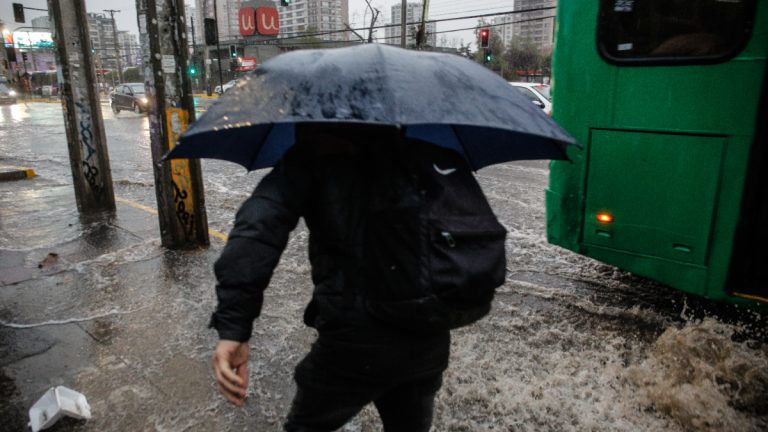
(488, 56)
(210, 31)
(192, 70)
(233, 51)
(24, 56)
(484, 36)
(18, 12)
(285, 3)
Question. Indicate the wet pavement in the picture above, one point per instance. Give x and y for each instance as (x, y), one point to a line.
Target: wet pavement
(97, 305)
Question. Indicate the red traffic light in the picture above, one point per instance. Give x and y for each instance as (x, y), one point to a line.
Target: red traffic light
(484, 36)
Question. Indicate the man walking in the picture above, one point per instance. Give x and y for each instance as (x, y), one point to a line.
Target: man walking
(342, 181)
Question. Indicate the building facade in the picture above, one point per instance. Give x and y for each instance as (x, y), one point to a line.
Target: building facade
(41, 23)
(129, 48)
(413, 20)
(103, 40)
(502, 26)
(327, 18)
(536, 27)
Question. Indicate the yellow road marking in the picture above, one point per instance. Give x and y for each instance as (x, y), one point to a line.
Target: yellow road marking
(218, 234)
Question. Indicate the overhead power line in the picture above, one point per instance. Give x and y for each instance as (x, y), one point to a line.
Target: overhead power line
(486, 15)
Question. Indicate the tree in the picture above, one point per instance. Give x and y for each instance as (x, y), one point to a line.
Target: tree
(521, 56)
(465, 50)
(132, 74)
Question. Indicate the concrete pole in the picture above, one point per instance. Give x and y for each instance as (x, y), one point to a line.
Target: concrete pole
(403, 7)
(178, 183)
(218, 46)
(206, 54)
(92, 176)
(117, 45)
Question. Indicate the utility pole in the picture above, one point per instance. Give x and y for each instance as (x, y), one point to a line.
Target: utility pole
(218, 47)
(403, 7)
(88, 157)
(206, 53)
(111, 13)
(194, 55)
(179, 182)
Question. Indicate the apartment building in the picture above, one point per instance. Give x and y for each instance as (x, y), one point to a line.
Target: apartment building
(413, 19)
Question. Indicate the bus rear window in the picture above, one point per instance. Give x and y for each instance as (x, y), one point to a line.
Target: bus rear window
(673, 31)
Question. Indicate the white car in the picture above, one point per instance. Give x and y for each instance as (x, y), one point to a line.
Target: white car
(537, 93)
(227, 86)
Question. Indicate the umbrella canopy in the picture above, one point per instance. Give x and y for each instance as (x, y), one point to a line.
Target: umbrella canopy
(443, 99)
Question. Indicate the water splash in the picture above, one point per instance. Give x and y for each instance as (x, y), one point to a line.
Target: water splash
(704, 380)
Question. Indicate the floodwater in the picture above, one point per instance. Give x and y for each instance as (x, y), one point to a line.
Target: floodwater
(571, 344)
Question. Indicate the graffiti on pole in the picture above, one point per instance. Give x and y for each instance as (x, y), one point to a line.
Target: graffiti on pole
(177, 120)
(85, 136)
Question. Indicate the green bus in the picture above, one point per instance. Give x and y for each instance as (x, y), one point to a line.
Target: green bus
(668, 99)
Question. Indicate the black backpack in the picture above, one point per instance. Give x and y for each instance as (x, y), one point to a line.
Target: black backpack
(434, 250)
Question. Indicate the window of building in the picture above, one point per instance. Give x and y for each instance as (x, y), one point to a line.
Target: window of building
(673, 31)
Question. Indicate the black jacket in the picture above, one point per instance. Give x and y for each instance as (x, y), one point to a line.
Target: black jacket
(328, 186)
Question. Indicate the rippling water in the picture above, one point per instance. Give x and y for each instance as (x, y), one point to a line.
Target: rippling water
(571, 344)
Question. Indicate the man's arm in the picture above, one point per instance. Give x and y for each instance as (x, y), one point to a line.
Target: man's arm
(243, 271)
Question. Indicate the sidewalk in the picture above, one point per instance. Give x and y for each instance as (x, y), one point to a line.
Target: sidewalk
(100, 307)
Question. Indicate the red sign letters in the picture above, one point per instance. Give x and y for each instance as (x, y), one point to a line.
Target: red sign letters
(267, 21)
(264, 20)
(246, 17)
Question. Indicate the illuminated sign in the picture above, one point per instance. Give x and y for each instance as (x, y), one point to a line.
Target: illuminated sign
(264, 20)
(245, 64)
(23, 39)
(8, 39)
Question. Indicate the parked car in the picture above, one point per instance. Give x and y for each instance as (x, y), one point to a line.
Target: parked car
(129, 96)
(227, 86)
(7, 96)
(537, 93)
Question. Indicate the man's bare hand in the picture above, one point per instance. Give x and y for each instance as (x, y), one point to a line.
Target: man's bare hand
(230, 366)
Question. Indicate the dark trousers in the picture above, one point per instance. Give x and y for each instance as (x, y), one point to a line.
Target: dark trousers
(336, 380)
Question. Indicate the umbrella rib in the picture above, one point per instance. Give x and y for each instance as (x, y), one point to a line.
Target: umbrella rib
(466, 151)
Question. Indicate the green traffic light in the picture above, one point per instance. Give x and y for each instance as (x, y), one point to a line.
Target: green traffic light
(192, 71)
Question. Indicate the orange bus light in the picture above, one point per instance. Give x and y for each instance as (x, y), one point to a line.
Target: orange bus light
(605, 217)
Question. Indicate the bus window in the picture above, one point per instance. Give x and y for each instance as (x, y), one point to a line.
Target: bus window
(673, 31)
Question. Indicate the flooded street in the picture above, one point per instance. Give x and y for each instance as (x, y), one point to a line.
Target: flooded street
(99, 306)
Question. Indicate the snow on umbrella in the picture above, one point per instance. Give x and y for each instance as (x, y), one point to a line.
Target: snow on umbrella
(442, 99)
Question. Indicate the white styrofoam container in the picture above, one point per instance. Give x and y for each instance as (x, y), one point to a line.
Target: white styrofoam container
(56, 403)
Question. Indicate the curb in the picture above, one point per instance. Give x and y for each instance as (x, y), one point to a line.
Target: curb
(15, 173)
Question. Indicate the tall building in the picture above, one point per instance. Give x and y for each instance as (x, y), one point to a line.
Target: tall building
(314, 16)
(502, 26)
(327, 17)
(103, 40)
(129, 48)
(539, 31)
(413, 19)
(41, 23)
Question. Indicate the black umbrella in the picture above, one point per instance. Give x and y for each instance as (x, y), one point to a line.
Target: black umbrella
(443, 99)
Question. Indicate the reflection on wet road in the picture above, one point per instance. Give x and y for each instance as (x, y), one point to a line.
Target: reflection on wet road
(571, 344)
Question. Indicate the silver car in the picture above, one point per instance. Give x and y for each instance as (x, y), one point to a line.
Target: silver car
(537, 93)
